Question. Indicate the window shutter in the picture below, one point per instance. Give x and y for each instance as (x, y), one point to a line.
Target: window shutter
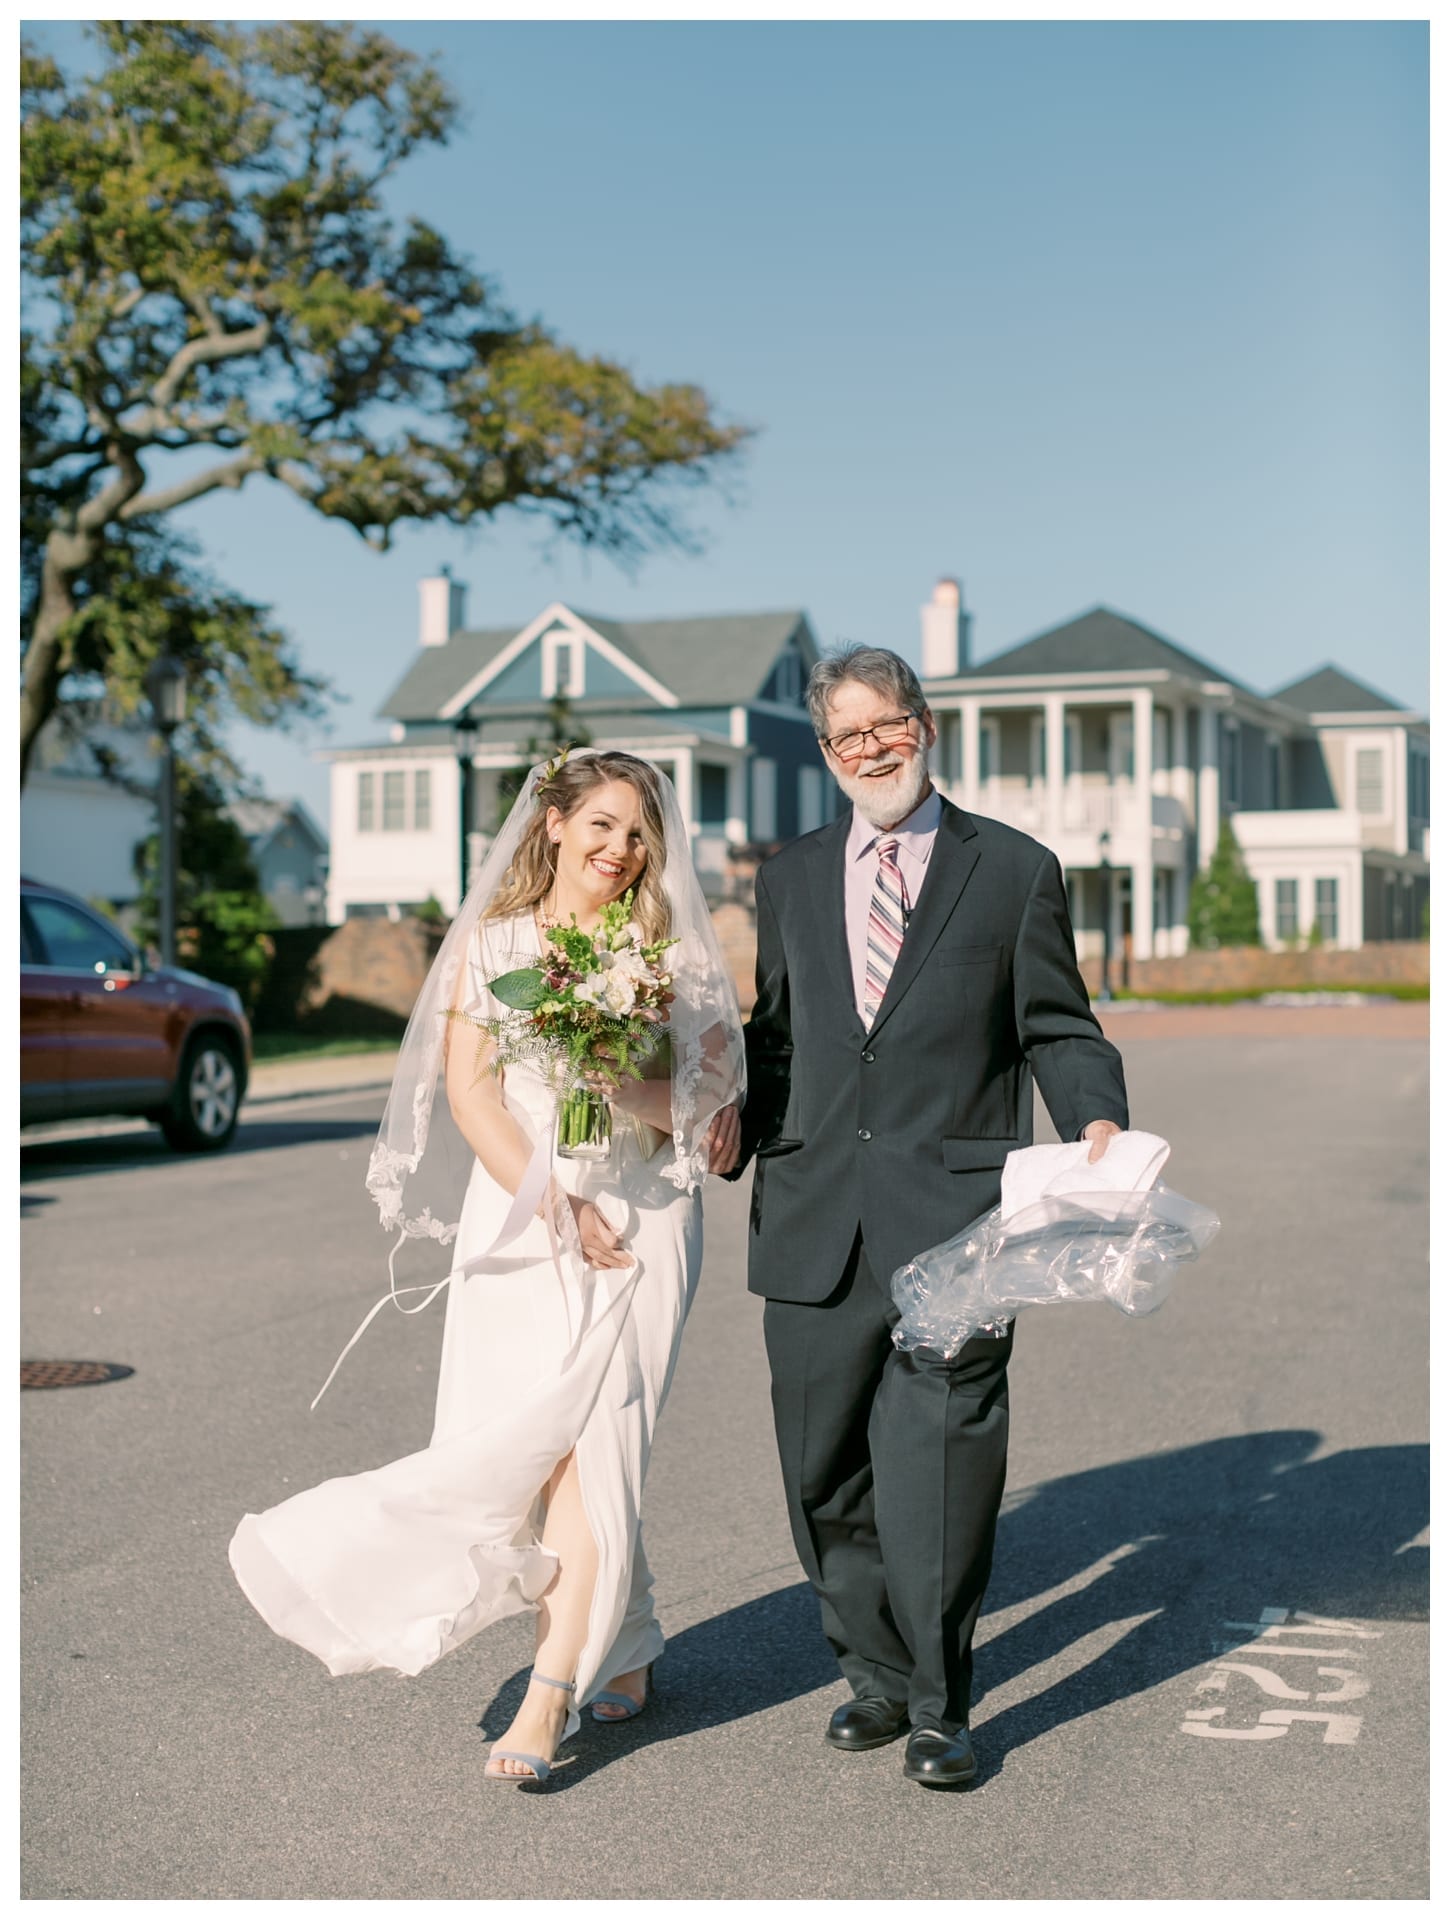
(1369, 780)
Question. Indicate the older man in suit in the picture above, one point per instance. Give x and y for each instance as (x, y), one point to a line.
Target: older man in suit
(915, 972)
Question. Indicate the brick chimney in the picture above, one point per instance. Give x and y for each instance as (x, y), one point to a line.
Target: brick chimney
(440, 609)
(946, 632)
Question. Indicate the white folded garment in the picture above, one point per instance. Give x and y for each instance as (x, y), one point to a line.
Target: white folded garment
(1131, 1164)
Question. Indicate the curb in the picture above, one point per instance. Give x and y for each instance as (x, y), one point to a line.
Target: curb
(316, 1092)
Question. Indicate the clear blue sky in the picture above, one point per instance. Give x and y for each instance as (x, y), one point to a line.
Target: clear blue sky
(1123, 313)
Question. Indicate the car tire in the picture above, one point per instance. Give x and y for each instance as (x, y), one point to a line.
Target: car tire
(208, 1097)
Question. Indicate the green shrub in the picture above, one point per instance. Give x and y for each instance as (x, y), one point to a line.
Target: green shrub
(1223, 903)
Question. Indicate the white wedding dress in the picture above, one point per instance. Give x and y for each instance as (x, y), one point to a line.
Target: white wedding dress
(395, 1567)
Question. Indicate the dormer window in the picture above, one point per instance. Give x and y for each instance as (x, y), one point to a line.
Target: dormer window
(788, 677)
(563, 666)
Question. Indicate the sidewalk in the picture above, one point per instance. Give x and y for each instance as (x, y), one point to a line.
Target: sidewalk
(274, 1080)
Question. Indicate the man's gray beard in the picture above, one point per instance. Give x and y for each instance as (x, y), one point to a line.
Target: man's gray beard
(886, 809)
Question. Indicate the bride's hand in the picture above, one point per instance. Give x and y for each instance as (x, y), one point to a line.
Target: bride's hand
(723, 1140)
(599, 1240)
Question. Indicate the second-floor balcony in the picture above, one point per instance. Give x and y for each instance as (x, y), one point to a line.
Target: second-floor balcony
(1085, 810)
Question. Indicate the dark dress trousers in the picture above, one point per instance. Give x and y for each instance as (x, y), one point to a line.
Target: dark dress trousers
(870, 1148)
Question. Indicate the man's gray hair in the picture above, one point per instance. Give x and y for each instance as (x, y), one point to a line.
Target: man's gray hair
(884, 672)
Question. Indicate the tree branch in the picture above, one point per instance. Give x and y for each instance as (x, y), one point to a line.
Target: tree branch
(203, 352)
(231, 473)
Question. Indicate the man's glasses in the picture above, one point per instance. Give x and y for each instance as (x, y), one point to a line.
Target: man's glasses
(895, 732)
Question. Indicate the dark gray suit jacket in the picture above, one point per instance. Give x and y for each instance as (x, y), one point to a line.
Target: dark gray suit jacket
(902, 1133)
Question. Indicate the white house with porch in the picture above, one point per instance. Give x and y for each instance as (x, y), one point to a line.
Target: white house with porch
(1122, 752)
(715, 701)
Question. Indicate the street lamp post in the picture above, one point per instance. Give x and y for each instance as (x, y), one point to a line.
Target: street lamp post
(166, 690)
(465, 736)
(1105, 871)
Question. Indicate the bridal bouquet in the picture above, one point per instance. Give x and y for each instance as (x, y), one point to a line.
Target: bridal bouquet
(594, 1006)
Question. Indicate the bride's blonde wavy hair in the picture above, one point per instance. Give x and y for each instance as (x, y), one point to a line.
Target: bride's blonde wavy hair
(531, 877)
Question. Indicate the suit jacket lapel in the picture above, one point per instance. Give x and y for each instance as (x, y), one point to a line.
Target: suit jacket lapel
(828, 899)
(953, 856)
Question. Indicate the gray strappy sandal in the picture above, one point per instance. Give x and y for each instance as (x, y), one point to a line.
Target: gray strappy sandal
(542, 1768)
(632, 1708)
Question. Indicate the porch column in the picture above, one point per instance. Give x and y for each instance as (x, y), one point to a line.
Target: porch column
(1054, 714)
(1207, 784)
(1142, 814)
(737, 804)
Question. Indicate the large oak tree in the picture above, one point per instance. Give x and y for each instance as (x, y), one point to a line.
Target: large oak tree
(213, 291)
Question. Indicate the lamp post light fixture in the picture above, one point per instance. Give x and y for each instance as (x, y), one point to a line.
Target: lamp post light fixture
(465, 738)
(1105, 871)
(166, 690)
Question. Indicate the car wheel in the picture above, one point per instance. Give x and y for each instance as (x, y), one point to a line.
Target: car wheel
(208, 1097)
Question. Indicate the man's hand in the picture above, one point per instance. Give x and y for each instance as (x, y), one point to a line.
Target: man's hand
(723, 1140)
(1098, 1133)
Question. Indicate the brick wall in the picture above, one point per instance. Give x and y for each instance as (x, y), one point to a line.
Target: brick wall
(361, 977)
(364, 976)
(1253, 970)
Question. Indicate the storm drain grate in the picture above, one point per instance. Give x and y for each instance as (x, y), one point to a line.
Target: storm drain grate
(71, 1373)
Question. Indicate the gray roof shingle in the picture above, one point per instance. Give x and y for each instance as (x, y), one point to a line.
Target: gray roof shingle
(1328, 690)
(713, 660)
(1099, 641)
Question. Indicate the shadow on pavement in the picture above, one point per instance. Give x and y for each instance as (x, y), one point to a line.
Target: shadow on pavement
(105, 1153)
(1213, 1533)
(1204, 1535)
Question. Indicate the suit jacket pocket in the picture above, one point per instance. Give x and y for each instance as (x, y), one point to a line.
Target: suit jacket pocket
(773, 1149)
(944, 956)
(976, 1156)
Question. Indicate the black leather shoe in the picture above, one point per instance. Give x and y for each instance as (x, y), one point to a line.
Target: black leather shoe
(866, 1723)
(937, 1759)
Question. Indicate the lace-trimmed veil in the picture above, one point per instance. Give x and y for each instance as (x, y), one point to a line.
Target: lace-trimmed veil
(421, 1163)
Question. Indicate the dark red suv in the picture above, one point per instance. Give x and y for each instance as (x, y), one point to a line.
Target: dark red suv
(102, 1033)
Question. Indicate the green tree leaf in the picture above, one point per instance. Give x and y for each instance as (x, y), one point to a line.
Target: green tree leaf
(213, 294)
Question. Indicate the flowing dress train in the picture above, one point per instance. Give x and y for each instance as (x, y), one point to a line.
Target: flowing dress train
(396, 1566)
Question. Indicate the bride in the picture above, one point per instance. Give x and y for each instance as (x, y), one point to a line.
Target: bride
(567, 1295)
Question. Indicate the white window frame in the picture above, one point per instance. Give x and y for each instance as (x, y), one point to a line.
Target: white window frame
(572, 684)
(788, 677)
(422, 799)
(1328, 880)
(1286, 880)
(400, 775)
(367, 800)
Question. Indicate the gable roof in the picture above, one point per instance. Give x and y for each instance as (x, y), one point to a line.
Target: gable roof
(259, 818)
(712, 660)
(1328, 690)
(1099, 641)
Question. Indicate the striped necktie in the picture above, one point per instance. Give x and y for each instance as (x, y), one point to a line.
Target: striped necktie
(886, 928)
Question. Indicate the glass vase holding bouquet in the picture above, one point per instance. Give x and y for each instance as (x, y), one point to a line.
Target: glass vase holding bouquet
(589, 1016)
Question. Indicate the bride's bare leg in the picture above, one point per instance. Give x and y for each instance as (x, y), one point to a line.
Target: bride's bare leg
(563, 1621)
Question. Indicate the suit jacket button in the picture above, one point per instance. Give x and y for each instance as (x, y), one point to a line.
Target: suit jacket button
(865, 1134)
(868, 1055)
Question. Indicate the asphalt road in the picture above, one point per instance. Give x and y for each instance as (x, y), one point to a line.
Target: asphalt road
(1255, 1453)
